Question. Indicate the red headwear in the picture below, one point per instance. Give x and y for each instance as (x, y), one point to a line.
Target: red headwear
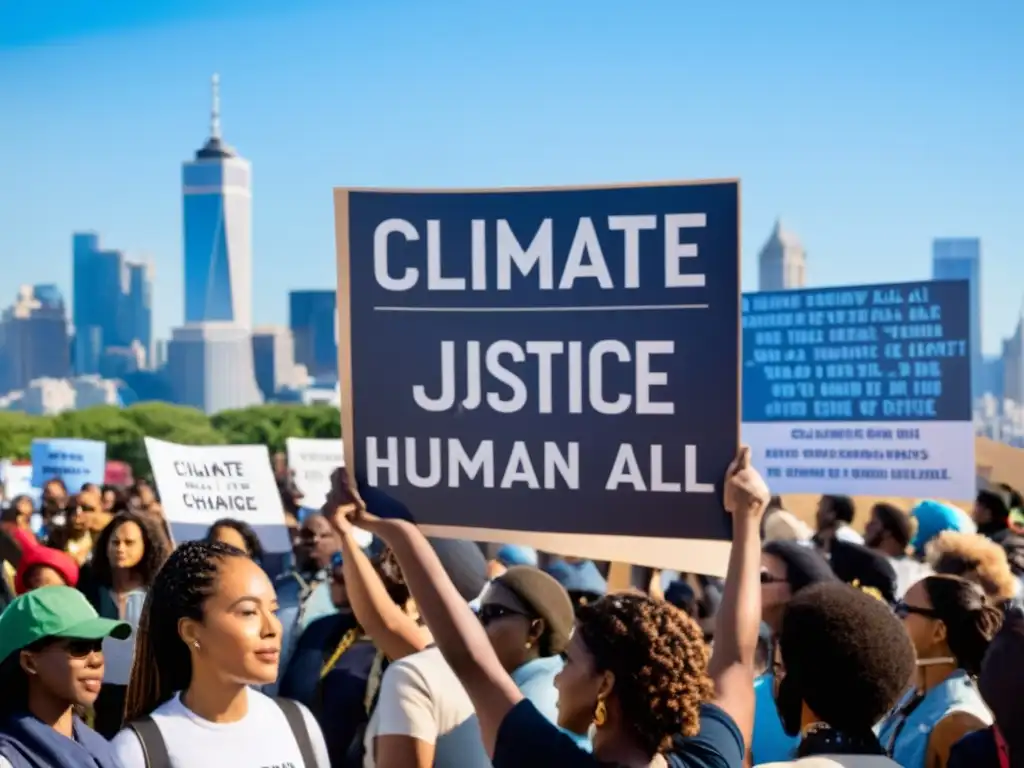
(36, 554)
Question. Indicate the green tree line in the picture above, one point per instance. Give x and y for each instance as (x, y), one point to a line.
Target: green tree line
(123, 429)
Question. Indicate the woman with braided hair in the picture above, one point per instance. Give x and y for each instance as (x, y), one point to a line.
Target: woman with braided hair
(208, 632)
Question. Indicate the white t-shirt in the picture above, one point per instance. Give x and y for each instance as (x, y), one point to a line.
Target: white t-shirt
(421, 697)
(847, 534)
(261, 739)
(837, 761)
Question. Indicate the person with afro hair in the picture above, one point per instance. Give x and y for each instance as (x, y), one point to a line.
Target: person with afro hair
(787, 567)
(977, 559)
(842, 661)
(637, 670)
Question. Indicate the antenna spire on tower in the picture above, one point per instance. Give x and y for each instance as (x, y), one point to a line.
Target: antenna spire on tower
(215, 107)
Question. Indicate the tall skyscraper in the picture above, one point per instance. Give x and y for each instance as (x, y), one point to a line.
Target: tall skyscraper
(273, 354)
(783, 261)
(217, 192)
(959, 258)
(137, 314)
(313, 317)
(210, 367)
(113, 303)
(96, 292)
(34, 338)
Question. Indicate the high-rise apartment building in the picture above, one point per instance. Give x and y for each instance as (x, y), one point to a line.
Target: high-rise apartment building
(96, 293)
(313, 318)
(783, 262)
(273, 354)
(137, 320)
(112, 303)
(34, 338)
(210, 367)
(217, 207)
(959, 258)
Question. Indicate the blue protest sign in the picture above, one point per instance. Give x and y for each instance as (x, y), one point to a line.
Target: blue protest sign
(555, 361)
(74, 461)
(861, 390)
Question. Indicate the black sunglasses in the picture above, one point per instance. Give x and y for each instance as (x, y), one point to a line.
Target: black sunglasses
(903, 610)
(489, 613)
(79, 649)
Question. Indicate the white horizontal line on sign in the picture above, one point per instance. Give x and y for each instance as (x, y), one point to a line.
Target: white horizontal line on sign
(619, 308)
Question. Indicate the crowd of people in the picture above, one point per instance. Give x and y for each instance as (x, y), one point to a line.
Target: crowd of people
(373, 646)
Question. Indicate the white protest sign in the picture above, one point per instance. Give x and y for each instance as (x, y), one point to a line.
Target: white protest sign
(200, 484)
(17, 480)
(312, 460)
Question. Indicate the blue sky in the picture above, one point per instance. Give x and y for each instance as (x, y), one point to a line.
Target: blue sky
(870, 127)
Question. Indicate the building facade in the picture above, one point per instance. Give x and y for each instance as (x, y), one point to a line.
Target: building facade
(273, 354)
(210, 367)
(34, 338)
(217, 208)
(959, 258)
(113, 303)
(313, 318)
(782, 263)
(96, 293)
(137, 315)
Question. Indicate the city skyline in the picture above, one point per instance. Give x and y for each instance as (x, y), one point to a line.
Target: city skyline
(821, 133)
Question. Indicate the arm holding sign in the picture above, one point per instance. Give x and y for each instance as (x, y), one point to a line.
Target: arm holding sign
(462, 639)
(739, 617)
(395, 633)
(457, 631)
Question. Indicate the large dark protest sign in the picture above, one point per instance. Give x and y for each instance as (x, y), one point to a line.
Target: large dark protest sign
(551, 361)
(861, 390)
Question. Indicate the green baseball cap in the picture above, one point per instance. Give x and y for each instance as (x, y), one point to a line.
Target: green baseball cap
(54, 612)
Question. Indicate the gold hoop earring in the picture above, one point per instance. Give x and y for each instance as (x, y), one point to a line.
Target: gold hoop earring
(600, 713)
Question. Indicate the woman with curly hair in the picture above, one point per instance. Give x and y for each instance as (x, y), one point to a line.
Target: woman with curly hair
(126, 558)
(238, 534)
(951, 623)
(637, 669)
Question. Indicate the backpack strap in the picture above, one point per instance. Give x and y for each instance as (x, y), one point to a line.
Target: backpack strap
(297, 723)
(154, 748)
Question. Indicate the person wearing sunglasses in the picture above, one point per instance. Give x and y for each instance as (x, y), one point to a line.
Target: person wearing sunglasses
(337, 665)
(303, 593)
(74, 537)
(637, 668)
(529, 618)
(787, 568)
(841, 662)
(51, 666)
(951, 624)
